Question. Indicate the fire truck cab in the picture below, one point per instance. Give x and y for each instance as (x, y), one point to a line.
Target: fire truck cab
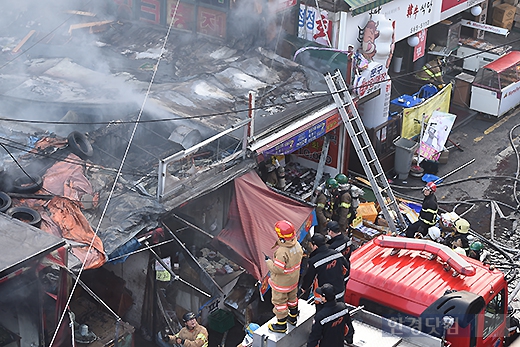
(427, 286)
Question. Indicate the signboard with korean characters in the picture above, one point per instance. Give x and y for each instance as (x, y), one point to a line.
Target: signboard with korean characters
(408, 16)
(314, 25)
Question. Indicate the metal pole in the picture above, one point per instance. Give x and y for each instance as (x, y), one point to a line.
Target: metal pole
(321, 166)
(452, 172)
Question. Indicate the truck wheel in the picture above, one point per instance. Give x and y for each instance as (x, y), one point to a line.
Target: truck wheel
(27, 185)
(25, 214)
(5, 202)
(80, 145)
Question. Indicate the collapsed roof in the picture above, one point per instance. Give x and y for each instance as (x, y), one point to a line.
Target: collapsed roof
(97, 84)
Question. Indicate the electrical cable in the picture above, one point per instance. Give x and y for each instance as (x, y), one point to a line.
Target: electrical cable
(117, 177)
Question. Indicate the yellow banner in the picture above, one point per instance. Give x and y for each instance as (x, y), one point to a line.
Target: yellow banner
(412, 116)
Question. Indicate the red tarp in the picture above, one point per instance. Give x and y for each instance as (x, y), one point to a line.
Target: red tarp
(252, 214)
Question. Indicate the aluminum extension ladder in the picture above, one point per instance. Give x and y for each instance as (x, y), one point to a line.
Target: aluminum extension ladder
(365, 151)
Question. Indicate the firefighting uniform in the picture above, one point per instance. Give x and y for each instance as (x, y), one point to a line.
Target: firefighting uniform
(285, 273)
(331, 325)
(198, 337)
(324, 211)
(326, 266)
(427, 217)
(342, 210)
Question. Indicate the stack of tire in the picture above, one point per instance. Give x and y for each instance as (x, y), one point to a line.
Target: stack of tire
(78, 144)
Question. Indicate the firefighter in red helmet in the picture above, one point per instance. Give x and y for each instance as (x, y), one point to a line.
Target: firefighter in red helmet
(428, 214)
(285, 273)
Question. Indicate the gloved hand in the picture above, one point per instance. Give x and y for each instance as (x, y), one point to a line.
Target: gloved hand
(266, 256)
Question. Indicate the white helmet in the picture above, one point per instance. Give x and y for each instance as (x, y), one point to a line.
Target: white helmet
(434, 233)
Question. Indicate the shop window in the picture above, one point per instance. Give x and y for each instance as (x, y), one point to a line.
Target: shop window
(494, 314)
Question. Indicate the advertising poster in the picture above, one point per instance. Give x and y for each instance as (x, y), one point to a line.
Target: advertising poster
(436, 134)
(314, 26)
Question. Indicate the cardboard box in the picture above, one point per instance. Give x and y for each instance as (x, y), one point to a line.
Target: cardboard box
(368, 211)
(508, 24)
(504, 13)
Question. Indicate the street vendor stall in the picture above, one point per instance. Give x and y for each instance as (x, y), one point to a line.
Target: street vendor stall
(496, 88)
(477, 53)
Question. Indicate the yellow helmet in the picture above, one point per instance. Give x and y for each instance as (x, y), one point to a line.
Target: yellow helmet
(462, 226)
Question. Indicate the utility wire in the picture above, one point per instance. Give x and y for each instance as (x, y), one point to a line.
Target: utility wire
(118, 174)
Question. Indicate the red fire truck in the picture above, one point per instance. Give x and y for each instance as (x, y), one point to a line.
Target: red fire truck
(429, 287)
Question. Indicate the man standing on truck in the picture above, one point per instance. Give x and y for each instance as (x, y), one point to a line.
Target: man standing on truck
(332, 325)
(192, 335)
(325, 265)
(285, 273)
(428, 214)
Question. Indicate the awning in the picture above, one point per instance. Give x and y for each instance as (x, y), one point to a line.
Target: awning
(249, 232)
(361, 6)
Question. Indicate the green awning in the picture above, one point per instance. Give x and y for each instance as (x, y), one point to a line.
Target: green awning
(360, 6)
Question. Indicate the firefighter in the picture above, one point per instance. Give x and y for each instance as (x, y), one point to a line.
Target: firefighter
(475, 250)
(339, 241)
(332, 325)
(192, 335)
(325, 204)
(460, 237)
(285, 273)
(325, 265)
(343, 210)
(431, 71)
(428, 213)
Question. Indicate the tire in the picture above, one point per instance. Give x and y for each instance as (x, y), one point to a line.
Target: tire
(27, 185)
(5, 202)
(25, 214)
(80, 145)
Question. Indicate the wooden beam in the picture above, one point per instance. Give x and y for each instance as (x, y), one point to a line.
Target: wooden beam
(81, 13)
(88, 25)
(24, 40)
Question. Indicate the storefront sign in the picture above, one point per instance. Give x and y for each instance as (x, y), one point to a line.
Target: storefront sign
(211, 22)
(484, 26)
(412, 116)
(369, 80)
(183, 15)
(305, 137)
(312, 151)
(418, 51)
(150, 11)
(282, 5)
(314, 26)
(450, 8)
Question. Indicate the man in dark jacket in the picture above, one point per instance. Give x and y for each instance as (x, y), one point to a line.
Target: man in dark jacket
(332, 325)
(428, 214)
(324, 266)
(340, 242)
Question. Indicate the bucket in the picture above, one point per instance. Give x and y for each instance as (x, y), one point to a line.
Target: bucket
(398, 62)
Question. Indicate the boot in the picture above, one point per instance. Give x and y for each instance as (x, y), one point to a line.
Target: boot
(293, 315)
(279, 327)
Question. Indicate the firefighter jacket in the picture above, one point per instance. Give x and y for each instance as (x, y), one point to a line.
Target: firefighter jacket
(326, 266)
(342, 244)
(198, 337)
(324, 208)
(285, 266)
(431, 71)
(429, 209)
(331, 324)
(343, 211)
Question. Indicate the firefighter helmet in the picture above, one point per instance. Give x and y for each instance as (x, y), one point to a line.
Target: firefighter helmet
(331, 183)
(476, 246)
(284, 230)
(341, 178)
(251, 327)
(431, 186)
(188, 316)
(462, 226)
(434, 233)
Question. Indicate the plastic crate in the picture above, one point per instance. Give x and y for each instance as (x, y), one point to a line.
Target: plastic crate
(221, 320)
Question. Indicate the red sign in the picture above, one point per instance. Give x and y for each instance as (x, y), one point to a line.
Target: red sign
(211, 22)
(418, 51)
(150, 11)
(183, 16)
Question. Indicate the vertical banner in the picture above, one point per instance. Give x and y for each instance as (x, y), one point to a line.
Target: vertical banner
(412, 116)
(314, 26)
(418, 51)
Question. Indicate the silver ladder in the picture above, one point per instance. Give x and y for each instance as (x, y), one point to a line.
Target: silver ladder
(365, 151)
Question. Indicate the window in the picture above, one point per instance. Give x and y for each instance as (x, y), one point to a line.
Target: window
(494, 314)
